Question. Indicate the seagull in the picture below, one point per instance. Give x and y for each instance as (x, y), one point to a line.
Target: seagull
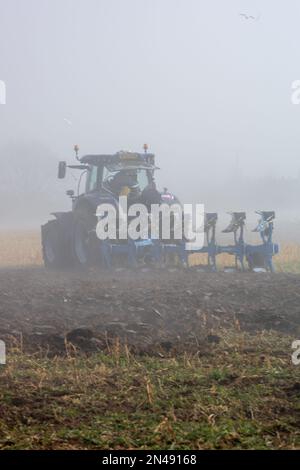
(249, 17)
(68, 121)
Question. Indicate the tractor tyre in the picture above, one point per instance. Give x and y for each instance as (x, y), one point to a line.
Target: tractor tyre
(55, 252)
(84, 242)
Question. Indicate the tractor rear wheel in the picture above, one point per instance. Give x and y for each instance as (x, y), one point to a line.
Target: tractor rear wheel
(55, 252)
(84, 240)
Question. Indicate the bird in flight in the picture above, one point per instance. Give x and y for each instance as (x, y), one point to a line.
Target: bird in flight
(249, 17)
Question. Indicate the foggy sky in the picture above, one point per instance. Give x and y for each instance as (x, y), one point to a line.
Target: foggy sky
(205, 88)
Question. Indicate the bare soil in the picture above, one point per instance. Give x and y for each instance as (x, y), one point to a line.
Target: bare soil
(155, 312)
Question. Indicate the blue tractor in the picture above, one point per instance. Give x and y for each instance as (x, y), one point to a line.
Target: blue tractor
(70, 241)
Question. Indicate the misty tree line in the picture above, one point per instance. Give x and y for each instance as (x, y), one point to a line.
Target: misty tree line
(30, 189)
(26, 170)
(27, 182)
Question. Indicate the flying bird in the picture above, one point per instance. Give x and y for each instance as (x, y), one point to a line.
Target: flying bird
(249, 17)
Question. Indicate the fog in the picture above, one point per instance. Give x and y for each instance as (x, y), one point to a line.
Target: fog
(208, 89)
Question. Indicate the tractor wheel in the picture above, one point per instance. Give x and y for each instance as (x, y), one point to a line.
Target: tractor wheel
(84, 240)
(55, 253)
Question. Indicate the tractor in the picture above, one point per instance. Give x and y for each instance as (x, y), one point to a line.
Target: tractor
(69, 240)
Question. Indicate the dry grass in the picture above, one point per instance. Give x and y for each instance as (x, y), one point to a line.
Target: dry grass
(288, 259)
(23, 248)
(243, 395)
(20, 248)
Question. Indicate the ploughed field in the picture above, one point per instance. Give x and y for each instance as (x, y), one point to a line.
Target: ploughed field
(150, 311)
(175, 359)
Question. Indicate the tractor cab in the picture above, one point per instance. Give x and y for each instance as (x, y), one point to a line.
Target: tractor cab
(124, 173)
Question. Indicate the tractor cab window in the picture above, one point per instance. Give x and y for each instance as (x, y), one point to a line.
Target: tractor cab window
(143, 178)
(92, 179)
(115, 180)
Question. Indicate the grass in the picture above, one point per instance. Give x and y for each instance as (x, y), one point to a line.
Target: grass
(20, 248)
(243, 395)
(288, 259)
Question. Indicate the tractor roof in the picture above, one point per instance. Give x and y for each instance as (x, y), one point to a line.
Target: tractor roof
(126, 158)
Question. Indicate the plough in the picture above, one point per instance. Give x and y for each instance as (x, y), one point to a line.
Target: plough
(255, 257)
(258, 257)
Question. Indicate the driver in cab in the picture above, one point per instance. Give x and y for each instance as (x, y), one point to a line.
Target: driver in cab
(125, 183)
